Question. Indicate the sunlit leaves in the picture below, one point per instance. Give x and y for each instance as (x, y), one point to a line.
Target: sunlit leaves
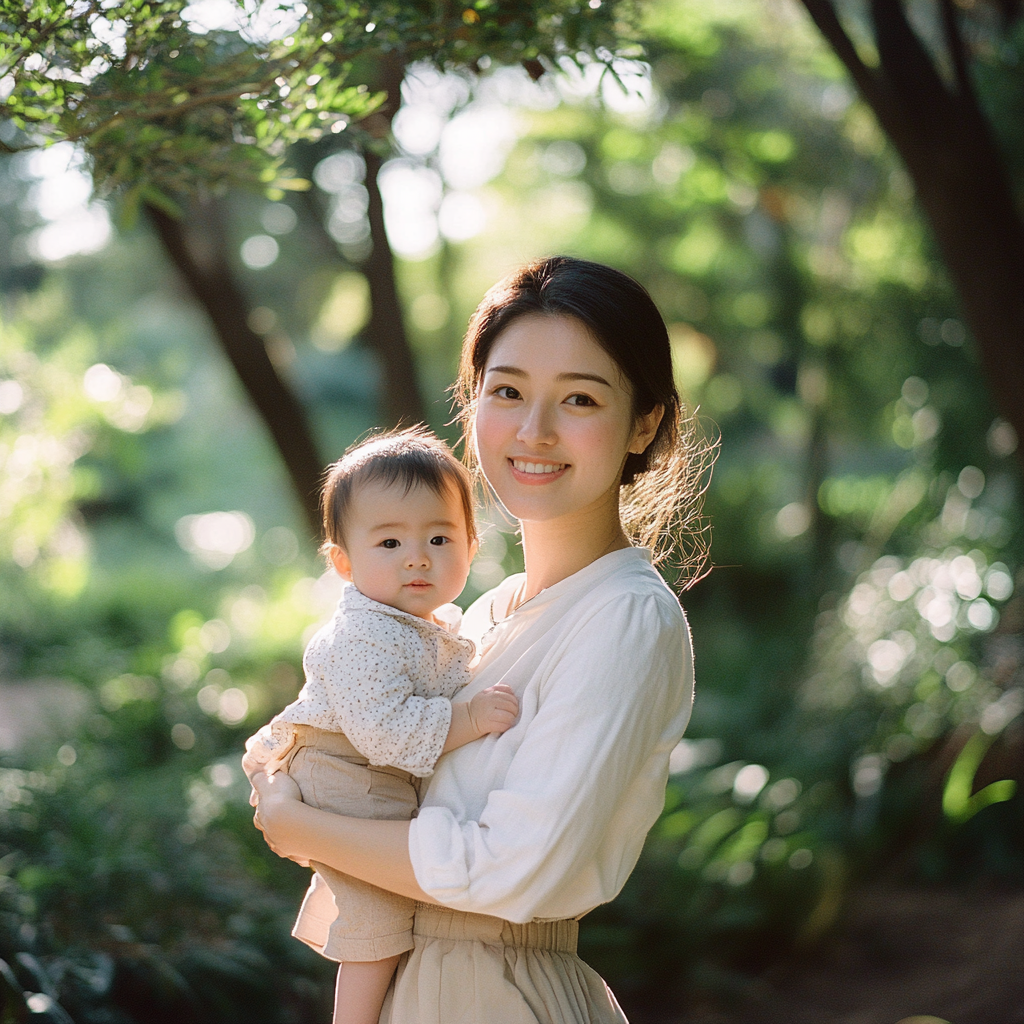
(166, 105)
(54, 402)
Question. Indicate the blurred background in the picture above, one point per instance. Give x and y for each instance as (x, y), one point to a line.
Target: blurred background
(233, 238)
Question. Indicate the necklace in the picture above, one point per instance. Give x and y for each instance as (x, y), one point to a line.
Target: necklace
(517, 599)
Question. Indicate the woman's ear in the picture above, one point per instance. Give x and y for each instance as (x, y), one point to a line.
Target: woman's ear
(340, 560)
(644, 429)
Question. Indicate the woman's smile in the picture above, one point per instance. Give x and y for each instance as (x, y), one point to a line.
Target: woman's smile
(530, 472)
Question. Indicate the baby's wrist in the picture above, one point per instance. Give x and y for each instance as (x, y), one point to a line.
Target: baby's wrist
(474, 723)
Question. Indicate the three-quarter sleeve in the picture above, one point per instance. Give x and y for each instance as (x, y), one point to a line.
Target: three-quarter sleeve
(383, 717)
(564, 829)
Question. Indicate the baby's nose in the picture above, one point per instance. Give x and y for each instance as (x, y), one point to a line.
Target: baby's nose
(418, 558)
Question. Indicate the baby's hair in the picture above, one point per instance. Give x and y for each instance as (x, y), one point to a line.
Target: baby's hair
(411, 457)
(662, 487)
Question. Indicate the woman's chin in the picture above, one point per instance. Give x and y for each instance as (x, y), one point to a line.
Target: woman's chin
(536, 508)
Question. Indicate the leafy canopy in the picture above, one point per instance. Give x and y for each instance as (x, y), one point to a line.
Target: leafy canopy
(166, 104)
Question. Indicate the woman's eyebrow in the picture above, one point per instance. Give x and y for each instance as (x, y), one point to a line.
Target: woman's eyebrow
(515, 371)
(509, 371)
(583, 376)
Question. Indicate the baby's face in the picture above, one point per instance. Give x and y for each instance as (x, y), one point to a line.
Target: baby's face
(408, 550)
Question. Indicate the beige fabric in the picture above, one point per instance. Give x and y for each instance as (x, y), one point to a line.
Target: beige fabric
(474, 969)
(341, 917)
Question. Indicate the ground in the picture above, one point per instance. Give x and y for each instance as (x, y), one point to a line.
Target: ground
(899, 956)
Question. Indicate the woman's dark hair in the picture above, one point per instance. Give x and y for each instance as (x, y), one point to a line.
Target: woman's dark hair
(665, 484)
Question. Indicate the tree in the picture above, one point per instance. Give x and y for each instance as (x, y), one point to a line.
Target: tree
(928, 105)
(172, 113)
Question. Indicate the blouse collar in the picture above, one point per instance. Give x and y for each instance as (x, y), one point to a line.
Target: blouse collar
(583, 579)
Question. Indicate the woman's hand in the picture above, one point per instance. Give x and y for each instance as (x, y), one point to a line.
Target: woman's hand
(274, 796)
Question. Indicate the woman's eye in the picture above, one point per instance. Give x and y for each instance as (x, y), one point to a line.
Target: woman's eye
(580, 400)
(438, 541)
(505, 391)
(389, 543)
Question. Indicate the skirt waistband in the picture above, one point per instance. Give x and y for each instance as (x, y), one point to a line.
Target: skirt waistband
(444, 923)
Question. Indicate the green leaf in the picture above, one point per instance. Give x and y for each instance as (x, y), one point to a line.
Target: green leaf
(958, 804)
(154, 197)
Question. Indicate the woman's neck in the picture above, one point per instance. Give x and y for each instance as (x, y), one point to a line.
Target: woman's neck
(555, 549)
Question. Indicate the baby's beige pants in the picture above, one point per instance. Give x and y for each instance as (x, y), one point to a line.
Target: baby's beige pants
(341, 917)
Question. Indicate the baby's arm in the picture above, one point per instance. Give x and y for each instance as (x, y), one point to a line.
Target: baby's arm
(491, 710)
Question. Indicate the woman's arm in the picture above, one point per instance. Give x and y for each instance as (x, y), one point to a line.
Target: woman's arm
(371, 850)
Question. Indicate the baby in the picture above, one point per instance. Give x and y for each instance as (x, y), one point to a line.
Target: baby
(375, 712)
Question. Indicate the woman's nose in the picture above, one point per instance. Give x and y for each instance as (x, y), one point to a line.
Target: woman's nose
(537, 426)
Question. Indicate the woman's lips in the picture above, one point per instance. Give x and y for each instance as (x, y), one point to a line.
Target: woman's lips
(528, 471)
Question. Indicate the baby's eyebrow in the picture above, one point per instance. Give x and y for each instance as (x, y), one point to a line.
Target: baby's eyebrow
(400, 526)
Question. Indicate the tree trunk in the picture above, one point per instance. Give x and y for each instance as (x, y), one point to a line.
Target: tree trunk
(400, 399)
(399, 392)
(951, 156)
(203, 263)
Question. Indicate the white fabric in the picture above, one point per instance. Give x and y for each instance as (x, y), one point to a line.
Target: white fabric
(547, 820)
(382, 677)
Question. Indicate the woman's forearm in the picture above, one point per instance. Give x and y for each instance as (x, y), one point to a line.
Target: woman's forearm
(371, 850)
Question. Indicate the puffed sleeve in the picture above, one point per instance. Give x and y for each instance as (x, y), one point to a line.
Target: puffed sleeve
(266, 747)
(382, 717)
(563, 832)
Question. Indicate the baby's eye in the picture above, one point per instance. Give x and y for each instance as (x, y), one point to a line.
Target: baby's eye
(439, 540)
(580, 400)
(506, 391)
(389, 543)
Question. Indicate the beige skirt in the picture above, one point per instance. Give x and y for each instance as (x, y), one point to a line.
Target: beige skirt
(474, 969)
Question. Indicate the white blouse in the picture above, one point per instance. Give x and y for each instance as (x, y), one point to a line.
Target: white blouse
(547, 820)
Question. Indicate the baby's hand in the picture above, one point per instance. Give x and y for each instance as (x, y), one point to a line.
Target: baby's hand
(493, 709)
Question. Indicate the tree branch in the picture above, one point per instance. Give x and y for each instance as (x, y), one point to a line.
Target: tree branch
(162, 112)
(399, 393)
(214, 287)
(957, 52)
(44, 34)
(823, 15)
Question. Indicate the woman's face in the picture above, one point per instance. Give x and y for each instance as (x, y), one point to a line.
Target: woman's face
(553, 420)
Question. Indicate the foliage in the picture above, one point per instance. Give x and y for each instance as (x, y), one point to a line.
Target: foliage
(166, 105)
(132, 881)
(858, 645)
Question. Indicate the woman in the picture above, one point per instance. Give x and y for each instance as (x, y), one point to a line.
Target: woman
(573, 417)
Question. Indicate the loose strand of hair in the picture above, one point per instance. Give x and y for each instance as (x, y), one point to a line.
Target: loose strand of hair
(663, 509)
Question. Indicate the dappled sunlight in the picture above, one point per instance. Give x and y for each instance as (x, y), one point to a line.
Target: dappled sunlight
(61, 196)
(859, 697)
(215, 538)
